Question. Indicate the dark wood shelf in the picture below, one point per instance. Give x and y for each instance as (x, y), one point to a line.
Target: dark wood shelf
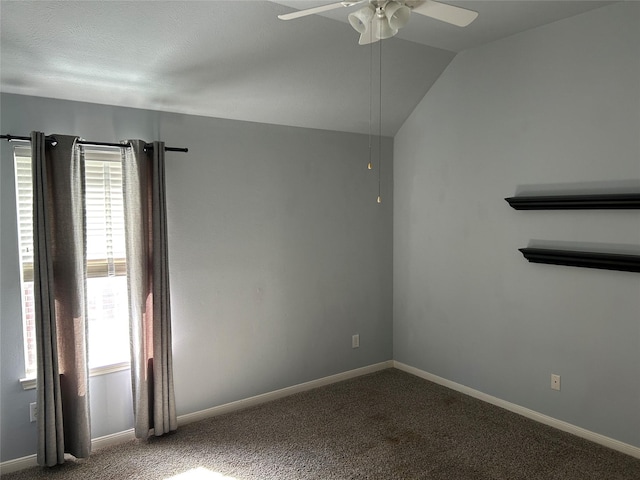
(576, 202)
(572, 258)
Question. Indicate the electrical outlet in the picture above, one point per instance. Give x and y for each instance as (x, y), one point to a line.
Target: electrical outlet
(33, 411)
(555, 381)
(355, 341)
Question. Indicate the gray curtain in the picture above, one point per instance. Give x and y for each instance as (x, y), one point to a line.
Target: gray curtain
(148, 280)
(60, 304)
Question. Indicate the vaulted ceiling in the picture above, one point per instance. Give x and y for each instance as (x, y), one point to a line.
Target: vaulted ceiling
(236, 59)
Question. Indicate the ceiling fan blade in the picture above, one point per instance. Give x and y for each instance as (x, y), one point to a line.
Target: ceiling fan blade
(312, 11)
(446, 13)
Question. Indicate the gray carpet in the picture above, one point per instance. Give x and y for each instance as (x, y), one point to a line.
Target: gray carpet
(387, 425)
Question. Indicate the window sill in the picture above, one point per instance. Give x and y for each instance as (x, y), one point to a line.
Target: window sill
(29, 383)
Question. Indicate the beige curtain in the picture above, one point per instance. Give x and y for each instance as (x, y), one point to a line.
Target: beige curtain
(148, 280)
(60, 303)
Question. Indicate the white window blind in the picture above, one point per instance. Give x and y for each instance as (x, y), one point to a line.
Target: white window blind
(104, 214)
(106, 264)
(24, 193)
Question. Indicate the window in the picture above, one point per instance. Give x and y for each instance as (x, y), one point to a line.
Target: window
(108, 314)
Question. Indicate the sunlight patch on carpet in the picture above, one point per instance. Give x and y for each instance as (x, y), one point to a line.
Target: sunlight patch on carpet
(200, 473)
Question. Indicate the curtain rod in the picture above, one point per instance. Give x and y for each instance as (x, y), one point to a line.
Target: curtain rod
(52, 139)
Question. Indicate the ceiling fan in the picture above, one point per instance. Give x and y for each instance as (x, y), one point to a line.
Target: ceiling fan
(380, 19)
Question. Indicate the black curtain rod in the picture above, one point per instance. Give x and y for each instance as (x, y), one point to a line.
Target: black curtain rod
(53, 141)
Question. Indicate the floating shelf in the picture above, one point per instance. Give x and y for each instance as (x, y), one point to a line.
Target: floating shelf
(576, 202)
(572, 258)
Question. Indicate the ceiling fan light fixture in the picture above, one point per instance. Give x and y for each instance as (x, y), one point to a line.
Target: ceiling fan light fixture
(360, 20)
(397, 15)
(367, 37)
(382, 29)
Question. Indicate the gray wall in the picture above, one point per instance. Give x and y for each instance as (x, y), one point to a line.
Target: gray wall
(278, 254)
(557, 107)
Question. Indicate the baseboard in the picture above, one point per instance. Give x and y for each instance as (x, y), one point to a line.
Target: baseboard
(17, 464)
(32, 460)
(121, 437)
(113, 439)
(284, 392)
(525, 412)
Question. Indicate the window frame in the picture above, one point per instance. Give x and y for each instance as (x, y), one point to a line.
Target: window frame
(95, 267)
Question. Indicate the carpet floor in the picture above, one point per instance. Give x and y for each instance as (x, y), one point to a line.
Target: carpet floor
(386, 425)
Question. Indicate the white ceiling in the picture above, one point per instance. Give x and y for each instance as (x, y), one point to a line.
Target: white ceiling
(236, 59)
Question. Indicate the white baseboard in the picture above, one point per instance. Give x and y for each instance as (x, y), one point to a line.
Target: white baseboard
(17, 464)
(525, 412)
(32, 460)
(121, 437)
(113, 439)
(284, 392)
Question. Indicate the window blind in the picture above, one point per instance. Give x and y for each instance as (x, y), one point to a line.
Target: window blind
(104, 211)
(25, 210)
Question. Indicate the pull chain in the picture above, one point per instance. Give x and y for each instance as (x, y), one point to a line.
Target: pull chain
(380, 129)
(370, 164)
